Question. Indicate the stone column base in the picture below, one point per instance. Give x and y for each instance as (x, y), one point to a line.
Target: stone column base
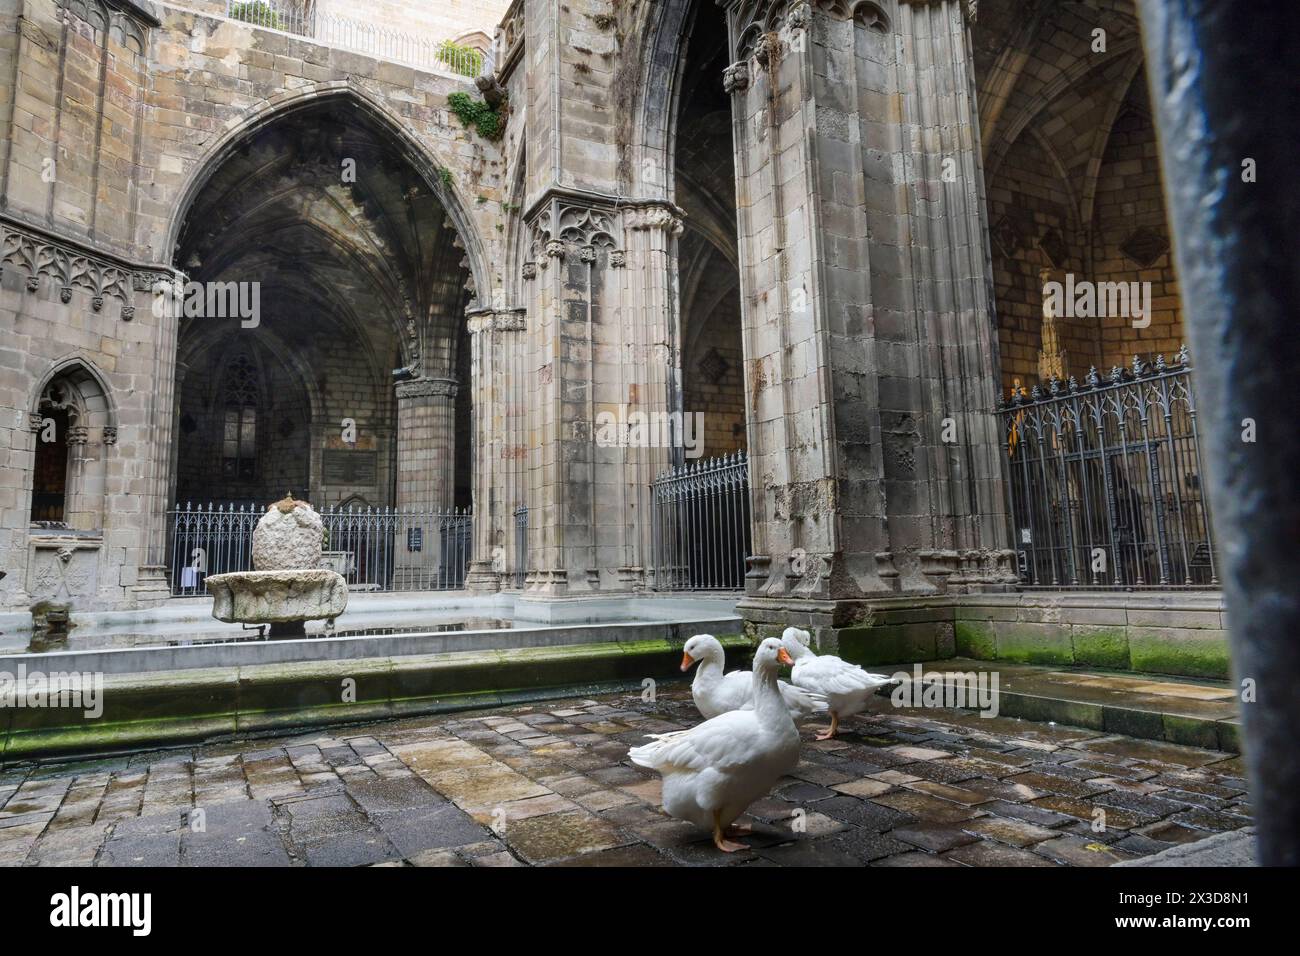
(152, 585)
(481, 579)
(868, 631)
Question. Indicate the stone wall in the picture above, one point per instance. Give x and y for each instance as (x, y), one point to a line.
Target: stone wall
(1130, 235)
(113, 118)
(1179, 634)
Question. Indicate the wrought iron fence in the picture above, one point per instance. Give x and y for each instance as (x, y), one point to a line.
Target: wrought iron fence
(1105, 481)
(521, 545)
(369, 38)
(701, 532)
(375, 549)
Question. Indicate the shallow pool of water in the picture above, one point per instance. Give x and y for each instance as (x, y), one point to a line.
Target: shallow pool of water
(87, 639)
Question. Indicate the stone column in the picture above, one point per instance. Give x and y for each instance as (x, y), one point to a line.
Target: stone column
(426, 452)
(495, 339)
(870, 355)
(154, 297)
(949, 265)
(573, 255)
(650, 374)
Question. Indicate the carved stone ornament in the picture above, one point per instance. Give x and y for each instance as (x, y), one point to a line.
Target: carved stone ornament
(504, 320)
(35, 255)
(654, 217)
(425, 387)
(767, 48)
(735, 78)
(799, 17)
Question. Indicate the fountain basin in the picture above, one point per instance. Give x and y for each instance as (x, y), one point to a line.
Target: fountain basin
(278, 597)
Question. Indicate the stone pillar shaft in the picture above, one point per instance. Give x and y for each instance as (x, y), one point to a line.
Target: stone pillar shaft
(426, 444)
(495, 339)
(870, 350)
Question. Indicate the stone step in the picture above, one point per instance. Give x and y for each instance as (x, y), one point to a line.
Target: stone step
(1192, 712)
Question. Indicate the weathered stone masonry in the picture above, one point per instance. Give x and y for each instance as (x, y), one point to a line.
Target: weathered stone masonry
(589, 261)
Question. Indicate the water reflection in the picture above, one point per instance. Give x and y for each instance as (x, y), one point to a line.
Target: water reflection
(45, 641)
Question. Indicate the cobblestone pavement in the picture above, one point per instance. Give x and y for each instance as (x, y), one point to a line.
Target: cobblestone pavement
(549, 783)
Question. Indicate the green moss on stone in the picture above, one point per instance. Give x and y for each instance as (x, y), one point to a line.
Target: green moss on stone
(872, 645)
(1191, 731)
(1034, 644)
(975, 639)
(1186, 652)
(1100, 646)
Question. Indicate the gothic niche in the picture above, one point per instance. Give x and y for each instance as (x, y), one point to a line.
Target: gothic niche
(67, 466)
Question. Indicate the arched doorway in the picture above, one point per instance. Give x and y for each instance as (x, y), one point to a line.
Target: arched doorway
(322, 346)
(700, 507)
(708, 275)
(336, 240)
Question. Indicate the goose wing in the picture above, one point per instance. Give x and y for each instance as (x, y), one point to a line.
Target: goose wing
(830, 675)
(724, 743)
(801, 701)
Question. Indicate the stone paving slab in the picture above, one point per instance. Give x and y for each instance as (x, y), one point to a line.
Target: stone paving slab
(549, 783)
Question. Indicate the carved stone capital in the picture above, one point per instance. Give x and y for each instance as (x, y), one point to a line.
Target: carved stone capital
(427, 387)
(498, 320)
(530, 270)
(617, 259)
(110, 435)
(511, 320)
(555, 249)
(655, 216)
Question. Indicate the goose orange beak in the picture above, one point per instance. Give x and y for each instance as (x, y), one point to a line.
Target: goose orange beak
(784, 657)
(687, 661)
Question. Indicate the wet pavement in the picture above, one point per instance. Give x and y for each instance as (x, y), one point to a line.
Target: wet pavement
(550, 784)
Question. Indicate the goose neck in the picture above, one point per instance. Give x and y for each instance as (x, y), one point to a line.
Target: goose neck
(767, 697)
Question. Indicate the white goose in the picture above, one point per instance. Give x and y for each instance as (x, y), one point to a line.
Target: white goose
(716, 693)
(715, 770)
(847, 686)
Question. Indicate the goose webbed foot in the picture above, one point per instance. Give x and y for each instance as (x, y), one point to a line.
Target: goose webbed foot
(720, 841)
(832, 730)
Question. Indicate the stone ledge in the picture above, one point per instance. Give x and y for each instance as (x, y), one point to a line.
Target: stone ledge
(1233, 848)
(171, 707)
(1190, 713)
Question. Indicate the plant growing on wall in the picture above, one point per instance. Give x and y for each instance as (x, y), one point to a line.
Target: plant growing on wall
(258, 13)
(486, 120)
(464, 60)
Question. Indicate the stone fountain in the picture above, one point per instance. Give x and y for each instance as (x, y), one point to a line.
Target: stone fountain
(287, 586)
